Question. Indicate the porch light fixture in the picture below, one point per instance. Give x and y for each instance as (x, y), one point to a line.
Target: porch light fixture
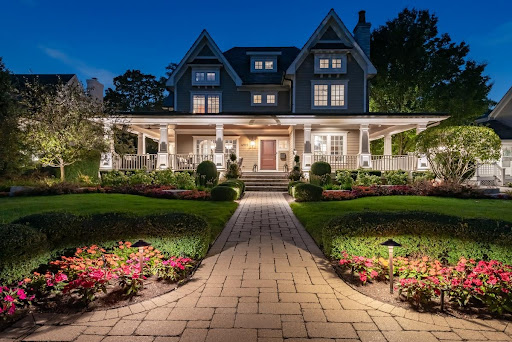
(141, 244)
(252, 143)
(228, 145)
(391, 244)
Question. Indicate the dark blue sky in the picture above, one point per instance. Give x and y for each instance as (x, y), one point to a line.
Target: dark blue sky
(104, 38)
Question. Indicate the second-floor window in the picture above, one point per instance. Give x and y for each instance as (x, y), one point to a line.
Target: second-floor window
(263, 63)
(263, 99)
(206, 103)
(330, 63)
(205, 77)
(329, 94)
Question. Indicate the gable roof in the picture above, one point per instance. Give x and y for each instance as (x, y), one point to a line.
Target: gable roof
(359, 55)
(204, 38)
(19, 80)
(241, 62)
(503, 108)
(502, 130)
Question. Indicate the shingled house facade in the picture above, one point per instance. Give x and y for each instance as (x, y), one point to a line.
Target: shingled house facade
(267, 104)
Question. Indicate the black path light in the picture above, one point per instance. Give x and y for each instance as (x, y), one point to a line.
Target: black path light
(391, 244)
(141, 244)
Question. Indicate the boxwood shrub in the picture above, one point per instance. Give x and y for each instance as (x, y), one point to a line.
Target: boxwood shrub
(438, 236)
(308, 192)
(49, 235)
(206, 173)
(237, 185)
(320, 173)
(223, 193)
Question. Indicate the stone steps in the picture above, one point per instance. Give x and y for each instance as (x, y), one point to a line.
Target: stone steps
(265, 181)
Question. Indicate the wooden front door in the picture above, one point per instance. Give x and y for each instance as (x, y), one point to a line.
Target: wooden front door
(268, 155)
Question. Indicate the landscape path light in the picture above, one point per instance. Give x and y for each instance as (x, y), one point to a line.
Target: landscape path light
(141, 244)
(391, 244)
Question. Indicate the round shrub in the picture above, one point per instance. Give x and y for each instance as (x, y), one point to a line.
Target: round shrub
(291, 187)
(223, 193)
(22, 249)
(308, 192)
(206, 173)
(437, 236)
(238, 185)
(320, 168)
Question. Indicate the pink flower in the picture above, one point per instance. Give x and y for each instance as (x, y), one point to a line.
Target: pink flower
(8, 298)
(12, 309)
(21, 294)
(374, 274)
(61, 277)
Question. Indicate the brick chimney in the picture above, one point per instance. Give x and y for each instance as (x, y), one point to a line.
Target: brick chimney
(95, 89)
(362, 33)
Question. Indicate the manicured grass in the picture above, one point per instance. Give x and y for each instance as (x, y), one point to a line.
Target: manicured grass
(314, 215)
(216, 213)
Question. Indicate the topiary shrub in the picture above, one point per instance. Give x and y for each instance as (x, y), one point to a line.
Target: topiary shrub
(237, 185)
(49, 235)
(308, 192)
(223, 193)
(206, 173)
(437, 236)
(320, 168)
(233, 171)
(22, 249)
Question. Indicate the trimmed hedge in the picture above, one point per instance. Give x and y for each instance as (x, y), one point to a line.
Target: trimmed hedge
(308, 192)
(206, 173)
(49, 235)
(437, 236)
(223, 193)
(237, 185)
(291, 187)
(320, 168)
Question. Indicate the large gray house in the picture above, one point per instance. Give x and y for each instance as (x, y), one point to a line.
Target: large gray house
(267, 104)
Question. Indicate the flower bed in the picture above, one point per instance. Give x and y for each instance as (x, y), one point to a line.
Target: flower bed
(425, 281)
(90, 271)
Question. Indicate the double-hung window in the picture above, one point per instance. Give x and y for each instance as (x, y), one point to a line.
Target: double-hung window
(206, 145)
(333, 144)
(206, 103)
(330, 63)
(263, 63)
(202, 76)
(329, 94)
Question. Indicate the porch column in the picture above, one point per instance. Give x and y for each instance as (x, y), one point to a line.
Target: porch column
(141, 143)
(107, 157)
(388, 147)
(365, 157)
(307, 158)
(218, 158)
(422, 159)
(163, 148)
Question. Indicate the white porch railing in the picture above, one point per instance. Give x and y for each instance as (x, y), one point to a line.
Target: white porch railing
(135, 162)
(490, 174)
(393, 163)
(182, 162)
(338, 162)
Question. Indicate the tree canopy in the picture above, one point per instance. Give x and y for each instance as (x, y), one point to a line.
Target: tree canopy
(454, 152)
(134, 91)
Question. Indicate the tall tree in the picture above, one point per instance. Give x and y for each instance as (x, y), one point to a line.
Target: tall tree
(62, 123)
(13, 154)
(422, 70)
(134, 92)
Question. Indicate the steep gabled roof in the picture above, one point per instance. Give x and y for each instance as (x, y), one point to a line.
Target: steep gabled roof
(195, 51)
(325, 28)
(241, 62)
(502, 130)
(503, 108)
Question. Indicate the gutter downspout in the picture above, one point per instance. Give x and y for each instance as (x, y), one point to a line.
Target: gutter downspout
(291, 93)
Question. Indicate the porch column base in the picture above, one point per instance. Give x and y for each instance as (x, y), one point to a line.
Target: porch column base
(422, 163)
(307, 160)
(163, 161)
(106, 161)
(218, 159)
(365, 161)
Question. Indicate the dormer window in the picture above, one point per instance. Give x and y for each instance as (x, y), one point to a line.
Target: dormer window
(205, 76)
(263, 63)
(330, 63)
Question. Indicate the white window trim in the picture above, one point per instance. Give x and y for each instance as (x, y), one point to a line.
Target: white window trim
(205, 82)
(330, 57)
(206, 94)
(329, 134)
(264, 98)
(329, 83)
(227, 137)
(263, 59)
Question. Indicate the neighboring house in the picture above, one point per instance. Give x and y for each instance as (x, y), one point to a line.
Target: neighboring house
(267, 104)
(500, 120)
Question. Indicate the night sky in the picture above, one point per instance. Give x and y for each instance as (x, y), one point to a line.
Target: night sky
(104, 38)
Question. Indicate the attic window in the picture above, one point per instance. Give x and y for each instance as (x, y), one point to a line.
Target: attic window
(202, 76)
(263, 63)
(330, 63)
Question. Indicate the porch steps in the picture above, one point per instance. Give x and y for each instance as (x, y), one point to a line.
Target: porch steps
(265, 181)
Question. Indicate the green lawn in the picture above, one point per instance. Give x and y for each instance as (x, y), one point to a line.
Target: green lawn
(314, 215)
(216, 213)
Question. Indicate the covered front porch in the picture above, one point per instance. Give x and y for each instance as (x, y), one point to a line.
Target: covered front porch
(265, 143)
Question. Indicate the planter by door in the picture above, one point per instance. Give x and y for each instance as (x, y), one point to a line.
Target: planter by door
(268, 155)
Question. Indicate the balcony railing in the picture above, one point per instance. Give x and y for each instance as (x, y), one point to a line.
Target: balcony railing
(338, 162)
(135, 162)
(392, 163)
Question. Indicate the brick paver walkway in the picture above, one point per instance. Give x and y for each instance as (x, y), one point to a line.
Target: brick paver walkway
(264, 280)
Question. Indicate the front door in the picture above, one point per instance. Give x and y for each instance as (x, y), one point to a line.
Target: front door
(268, 155)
